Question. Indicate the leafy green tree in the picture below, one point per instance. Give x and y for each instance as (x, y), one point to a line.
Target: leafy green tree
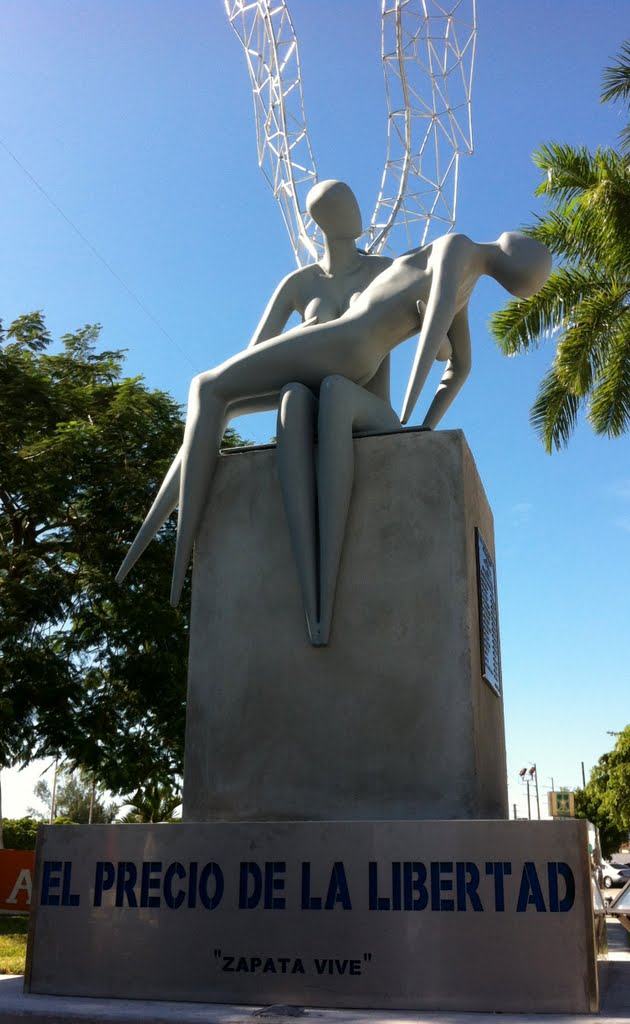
(153, 802)
(588, 805)
(605, 800)
(20, 833)
(74, 796)
(585, 303)
(88, 670)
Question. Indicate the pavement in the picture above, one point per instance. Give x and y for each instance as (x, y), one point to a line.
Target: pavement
(18, 1008)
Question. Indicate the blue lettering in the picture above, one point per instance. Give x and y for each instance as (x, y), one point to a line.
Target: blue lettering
(338, 888)
(467, 875)
(174, 900)
(104, 879)
(273, 883)
(125, 882)
(530, 891)
(192, 884)
(308, 902)
(213, 871)
(439, 885)
(396, 885)
(415, 893)
(557, 905)
(376, 902)
(49, 881)
(499, 869)
(148, 882)
(68, 899)
(249, 870)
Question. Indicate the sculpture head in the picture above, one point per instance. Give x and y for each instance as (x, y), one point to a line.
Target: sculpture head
(520, 263)
(333, 205)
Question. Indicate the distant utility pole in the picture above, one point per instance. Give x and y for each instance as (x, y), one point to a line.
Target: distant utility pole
(537, 794)
(529, 805)
(583, 777)
(92, 796)
(53, 799)
(514, 806)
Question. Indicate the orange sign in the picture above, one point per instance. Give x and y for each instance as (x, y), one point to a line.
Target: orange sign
(16, 880)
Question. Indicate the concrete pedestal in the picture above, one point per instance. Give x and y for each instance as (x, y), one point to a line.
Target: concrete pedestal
(393, 720)
(492, 916)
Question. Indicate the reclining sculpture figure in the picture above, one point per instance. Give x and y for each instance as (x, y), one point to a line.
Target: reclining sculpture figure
(426, 289)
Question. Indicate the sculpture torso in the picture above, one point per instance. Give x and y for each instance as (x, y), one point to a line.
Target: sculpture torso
(327, 296)
(324, 297)
(388, 307)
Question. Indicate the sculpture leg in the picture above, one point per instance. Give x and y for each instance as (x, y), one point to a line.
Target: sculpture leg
(297, 412)
(305, 352)
(343, 406)
(159, 512)
(200, 450)
(168, 494)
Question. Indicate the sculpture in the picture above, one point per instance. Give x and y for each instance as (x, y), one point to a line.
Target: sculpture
(428, 287)
(316, 503)
(320, 292)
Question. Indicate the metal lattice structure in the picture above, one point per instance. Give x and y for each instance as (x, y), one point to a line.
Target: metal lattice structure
(428, 52)
(266, 32)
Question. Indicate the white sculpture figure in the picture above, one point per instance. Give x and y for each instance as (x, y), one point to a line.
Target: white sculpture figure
(320, 292)
(428, 287)
(317, 504)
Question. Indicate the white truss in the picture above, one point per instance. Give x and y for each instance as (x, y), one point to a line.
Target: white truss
(266, 32)
(428, 50)
(428, 54)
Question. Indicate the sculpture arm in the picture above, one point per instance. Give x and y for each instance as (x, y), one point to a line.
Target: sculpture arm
(438, 318)
(456, 372)
(284, 301)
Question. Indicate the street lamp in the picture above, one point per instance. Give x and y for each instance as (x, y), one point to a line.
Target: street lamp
(531, 775)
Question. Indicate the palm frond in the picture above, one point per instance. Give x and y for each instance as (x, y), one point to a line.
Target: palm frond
(593, 322)
(609, 408)
(567, 239)
(569, 170)
(616, 78)
(585, 304)
(524, 323)
(589, 196)
(554, 413)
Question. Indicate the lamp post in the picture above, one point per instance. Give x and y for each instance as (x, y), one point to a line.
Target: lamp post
(529, 775)
(533, 774)
(523, 777)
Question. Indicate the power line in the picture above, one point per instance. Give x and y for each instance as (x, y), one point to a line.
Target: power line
(96, 253)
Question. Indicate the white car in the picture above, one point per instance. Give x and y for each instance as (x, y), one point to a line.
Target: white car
(614, 873)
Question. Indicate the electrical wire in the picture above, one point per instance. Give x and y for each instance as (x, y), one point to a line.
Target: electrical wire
(96, 253)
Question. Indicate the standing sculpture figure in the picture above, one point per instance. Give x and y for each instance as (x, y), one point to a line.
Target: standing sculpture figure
(428, 287)
(317, 503)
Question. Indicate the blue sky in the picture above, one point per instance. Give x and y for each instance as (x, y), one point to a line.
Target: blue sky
(137, 120)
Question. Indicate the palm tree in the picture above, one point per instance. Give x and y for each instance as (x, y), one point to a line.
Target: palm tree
(153, 802)
(585, 304)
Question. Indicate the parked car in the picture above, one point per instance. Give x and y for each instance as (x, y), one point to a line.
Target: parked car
(614, 873)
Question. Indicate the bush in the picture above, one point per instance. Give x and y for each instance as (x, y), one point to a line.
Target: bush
(19, 833)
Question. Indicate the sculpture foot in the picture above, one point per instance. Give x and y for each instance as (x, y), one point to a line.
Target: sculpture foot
(318, 636)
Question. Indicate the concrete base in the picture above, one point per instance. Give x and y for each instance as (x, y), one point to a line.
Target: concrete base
(393, 720)
(18, 1007)
(492, 916)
